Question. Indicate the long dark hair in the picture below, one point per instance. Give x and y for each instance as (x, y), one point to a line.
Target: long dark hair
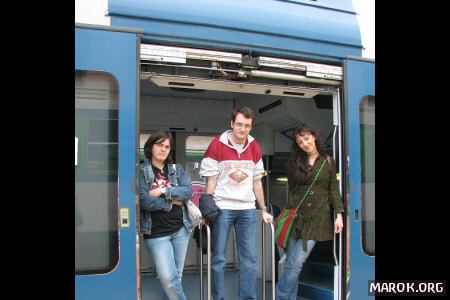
(299, 159)
(156, 137)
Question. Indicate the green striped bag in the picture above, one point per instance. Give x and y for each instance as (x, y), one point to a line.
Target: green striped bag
(286, 218)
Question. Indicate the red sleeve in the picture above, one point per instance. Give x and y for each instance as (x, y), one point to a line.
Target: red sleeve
(212, 150)
(256, 152)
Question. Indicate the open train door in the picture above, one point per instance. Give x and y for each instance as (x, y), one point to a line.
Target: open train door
(105, 162)
(359, 77)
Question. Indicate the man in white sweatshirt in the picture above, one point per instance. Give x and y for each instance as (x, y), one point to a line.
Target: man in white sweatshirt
(233, 167)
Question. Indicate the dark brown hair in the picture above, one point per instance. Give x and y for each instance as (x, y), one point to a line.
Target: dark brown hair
(246, 111)
(159, 136)
(299, 159)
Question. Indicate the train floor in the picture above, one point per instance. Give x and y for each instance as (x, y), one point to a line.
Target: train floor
(151, 289)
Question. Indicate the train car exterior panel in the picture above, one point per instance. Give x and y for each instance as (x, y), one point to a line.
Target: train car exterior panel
(275, 27)
(115, 53)
(360, 79)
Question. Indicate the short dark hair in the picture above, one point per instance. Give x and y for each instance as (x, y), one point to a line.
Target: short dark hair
(245, 110)
(154, 138)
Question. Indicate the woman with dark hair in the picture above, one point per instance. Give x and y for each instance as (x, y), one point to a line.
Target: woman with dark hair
(314, 222)
(165, 224)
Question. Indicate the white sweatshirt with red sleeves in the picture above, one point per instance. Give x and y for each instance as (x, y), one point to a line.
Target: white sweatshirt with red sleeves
(235, 171)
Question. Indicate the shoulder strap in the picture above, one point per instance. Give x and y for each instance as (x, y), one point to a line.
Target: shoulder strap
(330, 166)
(330, 170)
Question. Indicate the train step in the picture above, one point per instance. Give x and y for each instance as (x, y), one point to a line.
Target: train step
(313, 291)
(316, 281)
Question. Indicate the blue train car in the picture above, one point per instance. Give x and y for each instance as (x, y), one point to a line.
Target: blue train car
(182, 66)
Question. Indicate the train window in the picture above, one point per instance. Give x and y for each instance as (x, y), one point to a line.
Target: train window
(195, 148)
(367, 139)
(96, 172)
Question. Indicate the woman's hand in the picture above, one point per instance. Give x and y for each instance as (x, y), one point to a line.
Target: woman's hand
(155, 192)
(338, 224)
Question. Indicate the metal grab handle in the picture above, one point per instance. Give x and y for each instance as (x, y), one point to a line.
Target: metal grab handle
(336, 261)
(264, 260)
(208, 253)
(76, 151)
(208, 235)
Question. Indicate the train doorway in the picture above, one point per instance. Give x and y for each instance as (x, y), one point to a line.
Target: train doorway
(191, 93)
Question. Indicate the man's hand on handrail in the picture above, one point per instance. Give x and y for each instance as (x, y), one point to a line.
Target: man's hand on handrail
(267, 217)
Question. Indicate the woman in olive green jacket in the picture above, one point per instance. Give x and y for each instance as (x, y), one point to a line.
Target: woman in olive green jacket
(314, 221)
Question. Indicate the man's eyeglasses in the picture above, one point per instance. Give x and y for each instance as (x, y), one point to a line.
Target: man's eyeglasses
(246, 126)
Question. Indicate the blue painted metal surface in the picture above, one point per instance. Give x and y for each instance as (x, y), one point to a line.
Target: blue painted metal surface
(326, 31)
(360, 82)
(115, 53)
(345, 6)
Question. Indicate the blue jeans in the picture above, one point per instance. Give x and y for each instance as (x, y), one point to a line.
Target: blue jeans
(168, 254)
(244, 222)
(287, 286)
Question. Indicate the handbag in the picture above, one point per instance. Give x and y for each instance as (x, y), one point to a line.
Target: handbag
(194, 213)
(286, 219)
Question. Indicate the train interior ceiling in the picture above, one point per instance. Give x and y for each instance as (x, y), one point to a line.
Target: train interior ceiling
(196, 100)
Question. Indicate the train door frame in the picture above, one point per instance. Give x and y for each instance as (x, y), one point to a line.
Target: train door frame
(340, 107)
(336, 122)
(338, 249)
(359, 82)
(115, 50)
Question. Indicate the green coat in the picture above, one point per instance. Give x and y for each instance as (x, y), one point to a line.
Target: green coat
(314, 221)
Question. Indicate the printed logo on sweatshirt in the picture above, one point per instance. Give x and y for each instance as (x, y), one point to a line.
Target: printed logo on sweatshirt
(238, 175)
